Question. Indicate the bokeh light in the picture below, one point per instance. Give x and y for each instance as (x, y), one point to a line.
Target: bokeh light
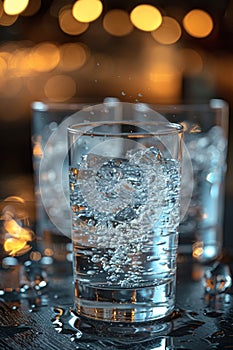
(146, 17)
(117, 22)
(44, 57)
(3, 66)
(69, 24)
(60, 88)
(169, 32)
(19, 63)
(12, 87)
(191, 62)
(87, 10)
(6, 20)
(163, 73)
(73, 56)
(1, 8)
(198, 23)
(15, 7)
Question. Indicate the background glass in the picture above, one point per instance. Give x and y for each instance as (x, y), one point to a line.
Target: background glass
(205, 136)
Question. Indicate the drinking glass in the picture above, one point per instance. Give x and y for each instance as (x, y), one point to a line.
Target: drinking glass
(125, 179)
(49, 163)
(205, 137)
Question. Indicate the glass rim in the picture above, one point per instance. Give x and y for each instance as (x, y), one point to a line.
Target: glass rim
(165, 128)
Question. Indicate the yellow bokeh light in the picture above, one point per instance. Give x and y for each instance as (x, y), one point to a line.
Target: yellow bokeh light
(15, 230)
(69, 24)
(198, 23)
(13, 245)
(146, 17)
(14, 7)
(60, 88)
(6, 20)
(44, 57)
(73, 56)
(117, 22)
(87, 10)
(169, 32)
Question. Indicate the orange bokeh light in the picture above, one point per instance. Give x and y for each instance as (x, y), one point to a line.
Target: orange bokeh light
(60, 88)
(44, 57)
(169, 32)
(198, 23)
(69, 24)
(117, 22)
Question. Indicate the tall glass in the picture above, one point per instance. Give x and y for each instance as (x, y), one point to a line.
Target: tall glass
(49, 163)
(205, 137)
(125, 200)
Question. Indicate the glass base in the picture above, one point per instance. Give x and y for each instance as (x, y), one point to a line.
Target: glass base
(126, 305)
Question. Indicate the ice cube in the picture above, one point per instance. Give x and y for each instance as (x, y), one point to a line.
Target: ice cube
(217, 279)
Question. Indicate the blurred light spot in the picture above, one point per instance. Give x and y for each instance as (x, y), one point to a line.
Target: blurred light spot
(146, 17)
(69, 257)
(191, 62)
(14, 199)
(12, 86)
(197, 272)
(69, 24)
(60, 88)
(9, 261)
(87, 10)
(73, 56)
(198, 23)
(37, 148)
(32, 8)
(48, 252)
(12, 246)
(16, 247)
(166, 81)
(197, 249)
(15, 230)
(46, 260)
(44, 57)
(117, 22)
(6, 20)
(14, 7)
(19, 63)
(3, 66)
(169, 32)
(36, 256)
(163, 73)
(1, 8)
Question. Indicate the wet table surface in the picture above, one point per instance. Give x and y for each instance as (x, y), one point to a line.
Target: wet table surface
(45, 319)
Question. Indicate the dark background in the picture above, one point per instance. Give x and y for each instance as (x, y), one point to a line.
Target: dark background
(99, 77)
